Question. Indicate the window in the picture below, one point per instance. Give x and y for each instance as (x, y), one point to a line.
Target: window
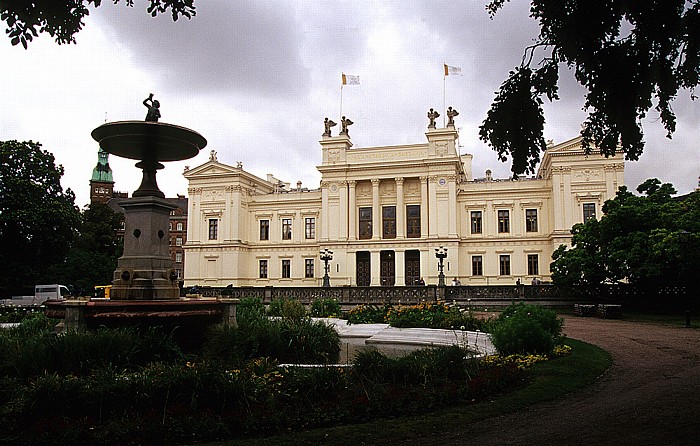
(476, 222)
(264, 229)
(503, 221)
(530, 220)
(365, 223)
(588, 211)
(178, 241)
(413, 221)
(179, 226)
(389, 222)
(533, 267)
(310, 229)
(286, 269)
(178, 257)
(504, 263)
(309, 268)
(477, 266)
(286, 229)
(263, 269)
(213, 229)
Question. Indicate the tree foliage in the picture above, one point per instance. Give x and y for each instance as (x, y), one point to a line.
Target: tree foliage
(653, 239)
(630, 56)
(37, 217)
(62, 19)
(93, 256)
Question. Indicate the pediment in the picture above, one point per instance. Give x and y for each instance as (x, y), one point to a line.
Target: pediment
(211, 168)
(572, 145)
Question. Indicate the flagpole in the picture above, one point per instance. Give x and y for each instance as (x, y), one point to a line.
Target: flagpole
(341, 99)
(444, 75)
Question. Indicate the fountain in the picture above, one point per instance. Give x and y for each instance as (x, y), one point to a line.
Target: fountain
(145, 284)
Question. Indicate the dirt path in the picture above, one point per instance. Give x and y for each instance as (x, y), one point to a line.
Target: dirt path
(650, 396)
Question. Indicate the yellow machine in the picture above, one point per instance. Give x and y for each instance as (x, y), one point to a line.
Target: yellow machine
(103, 291)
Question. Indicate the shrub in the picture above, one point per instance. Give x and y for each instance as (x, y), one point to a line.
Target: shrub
(288, 308)
(325, 308)
(368, 314)
(289, 339)
(526, 329)
(432, 315)
(250, 309)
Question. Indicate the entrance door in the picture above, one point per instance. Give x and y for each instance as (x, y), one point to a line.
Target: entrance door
(388, 268)
(363, 268)
(412, 267)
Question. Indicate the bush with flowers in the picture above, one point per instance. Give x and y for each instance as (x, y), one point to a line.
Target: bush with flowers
(432, 315)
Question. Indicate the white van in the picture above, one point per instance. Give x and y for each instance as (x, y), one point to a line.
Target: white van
(43, 293)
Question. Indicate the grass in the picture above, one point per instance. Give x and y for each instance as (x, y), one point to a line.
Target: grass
(547, 381)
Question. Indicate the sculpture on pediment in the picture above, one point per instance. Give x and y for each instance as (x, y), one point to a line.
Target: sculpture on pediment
(153, 107)
(344, 124)
(212, 156)
(451, 113)
(432, 116)
(327, 124)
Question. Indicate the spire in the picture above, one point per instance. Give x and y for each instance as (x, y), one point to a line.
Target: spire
(102, 172)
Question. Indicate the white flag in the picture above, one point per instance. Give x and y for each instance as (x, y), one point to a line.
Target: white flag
(349, 79)
(455, 71)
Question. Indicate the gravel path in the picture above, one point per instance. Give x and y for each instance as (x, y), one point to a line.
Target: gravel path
(650, 396)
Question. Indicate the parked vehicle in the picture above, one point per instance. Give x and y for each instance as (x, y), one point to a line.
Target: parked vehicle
(43, 293)
(103, 291)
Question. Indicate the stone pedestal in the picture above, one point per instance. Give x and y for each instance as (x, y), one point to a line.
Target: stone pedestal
(145, 271)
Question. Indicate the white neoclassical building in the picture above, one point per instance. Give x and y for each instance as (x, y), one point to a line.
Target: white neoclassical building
(383, 211)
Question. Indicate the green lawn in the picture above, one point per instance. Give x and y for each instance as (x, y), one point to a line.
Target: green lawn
(547, 381)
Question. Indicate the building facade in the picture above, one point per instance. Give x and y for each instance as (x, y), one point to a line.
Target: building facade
(383, 211)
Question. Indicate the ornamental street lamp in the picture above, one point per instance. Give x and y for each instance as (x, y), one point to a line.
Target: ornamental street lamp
(326, 256)
(441, 254)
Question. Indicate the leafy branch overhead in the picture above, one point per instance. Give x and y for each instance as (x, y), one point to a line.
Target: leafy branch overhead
(630, 56)
(62, 19)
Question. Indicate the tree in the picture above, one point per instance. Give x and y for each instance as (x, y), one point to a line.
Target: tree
(93, 256)
(37, 217)
(653, 239)
(629, 55)
(62, 19)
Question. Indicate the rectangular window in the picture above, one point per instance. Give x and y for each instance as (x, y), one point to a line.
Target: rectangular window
(263, 269)
(213, 229)
(178, 257)
(264, 229)
(503, 221)
(309, 268)
(389, 222)
(588, 211)
(530, 220)
(365, 223)
(178, 241)
(477, 266)
(286, 269)
(504, 262)
(286, 229)
(533, 265)
(310, 229)
(413, 221)
(476, 222)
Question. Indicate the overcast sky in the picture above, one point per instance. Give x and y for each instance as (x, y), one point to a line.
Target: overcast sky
(256, 79)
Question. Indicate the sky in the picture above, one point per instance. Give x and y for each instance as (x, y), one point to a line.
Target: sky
(257, 78)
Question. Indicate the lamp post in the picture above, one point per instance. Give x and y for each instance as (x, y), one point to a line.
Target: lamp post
(326, 256)
(441, 254)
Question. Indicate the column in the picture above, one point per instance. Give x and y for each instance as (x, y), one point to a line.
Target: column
(400, 210)
(432, 211)
(376, 264)
(227, 216)
(424, 207)
(400, 267)
(452, 205)
(376, 211)
(235, 215)
(343, 211)
(324, 211)
(352, 209)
